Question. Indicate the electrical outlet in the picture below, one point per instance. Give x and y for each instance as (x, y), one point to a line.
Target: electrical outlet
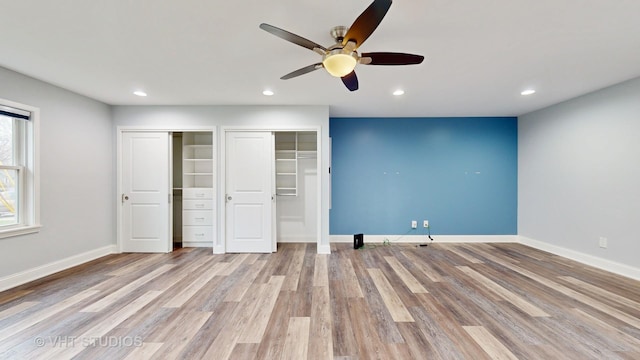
(603, 242)
(414, 224)
(425, 223)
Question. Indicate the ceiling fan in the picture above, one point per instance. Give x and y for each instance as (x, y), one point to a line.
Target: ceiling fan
(341, 58)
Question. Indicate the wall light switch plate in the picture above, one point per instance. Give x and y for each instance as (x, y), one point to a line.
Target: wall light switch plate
(603, 242)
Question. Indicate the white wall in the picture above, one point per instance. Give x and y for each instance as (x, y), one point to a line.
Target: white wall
(77, 185)
(253, 117)
(579, 177)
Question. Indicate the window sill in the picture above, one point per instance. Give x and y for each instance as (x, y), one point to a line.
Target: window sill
(23, 230)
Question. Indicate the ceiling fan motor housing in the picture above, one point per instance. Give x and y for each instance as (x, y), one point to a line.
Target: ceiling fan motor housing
(338, 33)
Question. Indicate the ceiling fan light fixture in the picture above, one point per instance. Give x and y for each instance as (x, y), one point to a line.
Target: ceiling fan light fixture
(340, 59)
(340, 62)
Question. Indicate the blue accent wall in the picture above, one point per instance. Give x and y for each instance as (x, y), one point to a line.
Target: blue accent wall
(458, 173)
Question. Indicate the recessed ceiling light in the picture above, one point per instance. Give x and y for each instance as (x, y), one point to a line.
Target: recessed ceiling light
(268, 92)
(140, 93)
(528, 92)
(398, 92)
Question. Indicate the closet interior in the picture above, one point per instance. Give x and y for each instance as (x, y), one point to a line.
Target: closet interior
(296, 186)
(194, 215)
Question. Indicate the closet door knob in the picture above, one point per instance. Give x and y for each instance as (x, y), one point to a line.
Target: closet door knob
(229, 198)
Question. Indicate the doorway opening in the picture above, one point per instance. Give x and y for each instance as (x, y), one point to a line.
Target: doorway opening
(193, 189)
(296, 186)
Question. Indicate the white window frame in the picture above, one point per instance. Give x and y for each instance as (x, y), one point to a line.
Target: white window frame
(28, 174)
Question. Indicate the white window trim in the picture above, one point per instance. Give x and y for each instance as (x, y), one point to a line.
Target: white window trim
(31, 223)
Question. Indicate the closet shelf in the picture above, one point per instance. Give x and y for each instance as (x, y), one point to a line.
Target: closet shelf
(291, 146)
(307, 154)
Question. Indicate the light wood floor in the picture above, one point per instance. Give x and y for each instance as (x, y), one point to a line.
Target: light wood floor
(444, 301)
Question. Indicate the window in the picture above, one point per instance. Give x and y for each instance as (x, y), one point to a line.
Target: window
(19, 212)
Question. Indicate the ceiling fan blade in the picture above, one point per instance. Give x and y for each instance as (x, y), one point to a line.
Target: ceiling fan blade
(291, 37)
(367, 22)
(350, 81)
(390, 58)
(302, 71)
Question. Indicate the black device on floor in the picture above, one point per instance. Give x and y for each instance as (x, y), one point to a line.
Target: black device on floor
(358, 241)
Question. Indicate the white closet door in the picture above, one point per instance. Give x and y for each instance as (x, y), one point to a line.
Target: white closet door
(145, 212)
(249, 187)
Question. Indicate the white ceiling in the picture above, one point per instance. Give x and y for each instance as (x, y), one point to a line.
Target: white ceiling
(479, 55)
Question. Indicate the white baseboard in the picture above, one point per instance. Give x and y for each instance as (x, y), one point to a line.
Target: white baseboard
(196, 244)
(324, 249)
(23, 277)
(600, 263)
(297, 239)
(419, 239)
(218, 249)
